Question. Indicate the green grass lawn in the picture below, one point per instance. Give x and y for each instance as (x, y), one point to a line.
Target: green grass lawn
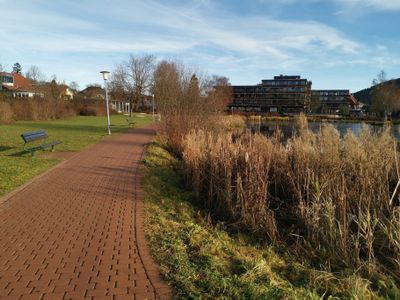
(17, 167)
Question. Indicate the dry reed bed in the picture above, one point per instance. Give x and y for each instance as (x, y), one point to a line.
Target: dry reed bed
(334, 197)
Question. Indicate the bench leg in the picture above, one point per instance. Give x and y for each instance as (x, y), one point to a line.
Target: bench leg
(52, 148)
(33, 153)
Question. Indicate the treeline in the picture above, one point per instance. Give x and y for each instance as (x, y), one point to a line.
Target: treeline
(177, 90)
(184, 98)
(166, 80)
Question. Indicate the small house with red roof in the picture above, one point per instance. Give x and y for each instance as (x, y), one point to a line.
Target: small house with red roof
(18, 86)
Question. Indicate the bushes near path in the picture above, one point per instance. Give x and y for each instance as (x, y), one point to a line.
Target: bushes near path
(38, 109)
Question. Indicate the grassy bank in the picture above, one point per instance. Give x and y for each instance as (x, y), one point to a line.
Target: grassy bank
(17, 167)
(203, 260)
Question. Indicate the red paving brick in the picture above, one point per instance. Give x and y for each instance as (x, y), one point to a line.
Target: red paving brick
(77, 231)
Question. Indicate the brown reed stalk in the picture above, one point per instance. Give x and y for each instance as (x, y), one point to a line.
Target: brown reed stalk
(336, 194)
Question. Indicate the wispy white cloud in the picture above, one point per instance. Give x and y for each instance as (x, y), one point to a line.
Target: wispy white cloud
(372, 4)
(249, 34)
(380, 5)
(201, 32)
(186, 28)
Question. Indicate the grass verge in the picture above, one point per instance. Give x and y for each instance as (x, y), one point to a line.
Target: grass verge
(203, 260)
(17, 167)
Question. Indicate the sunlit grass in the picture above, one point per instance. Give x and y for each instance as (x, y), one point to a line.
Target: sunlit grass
(17, 167)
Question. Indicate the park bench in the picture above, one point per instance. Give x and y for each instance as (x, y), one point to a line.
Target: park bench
(34, 137)
(130, 121)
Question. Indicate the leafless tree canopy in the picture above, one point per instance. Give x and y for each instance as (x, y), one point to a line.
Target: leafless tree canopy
(168, 86)
(35, 74)
(74, 85)
(385, 95)
(187, 100)
(177, 90)
(133, 78)
(219, 92)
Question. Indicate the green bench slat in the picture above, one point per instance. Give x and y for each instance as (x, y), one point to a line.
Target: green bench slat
(34, 136)
(29, 137)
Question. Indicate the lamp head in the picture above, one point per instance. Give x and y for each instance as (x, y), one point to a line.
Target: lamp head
(105, 74)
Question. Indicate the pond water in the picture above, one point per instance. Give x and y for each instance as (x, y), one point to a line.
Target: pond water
(288, 127)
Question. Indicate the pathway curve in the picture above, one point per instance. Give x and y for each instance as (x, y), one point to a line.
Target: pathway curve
(77, 231)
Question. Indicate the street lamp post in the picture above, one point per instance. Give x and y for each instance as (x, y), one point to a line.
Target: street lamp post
(105, 78)
(153, 105)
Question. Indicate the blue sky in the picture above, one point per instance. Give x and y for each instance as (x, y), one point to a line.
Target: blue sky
(334, 43)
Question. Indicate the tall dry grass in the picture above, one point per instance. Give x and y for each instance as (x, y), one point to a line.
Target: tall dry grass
(342, 188)
(335, 198)
(41, 109)
(35, 109)
(234, 177)
(6, 113)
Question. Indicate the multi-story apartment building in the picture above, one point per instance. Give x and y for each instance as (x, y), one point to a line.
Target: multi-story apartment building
(332, 101)
(283, 94)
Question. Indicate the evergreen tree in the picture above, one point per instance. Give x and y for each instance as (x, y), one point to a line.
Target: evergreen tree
(17, 68)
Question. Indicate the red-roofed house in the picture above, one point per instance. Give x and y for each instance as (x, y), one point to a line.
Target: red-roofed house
(18, 86)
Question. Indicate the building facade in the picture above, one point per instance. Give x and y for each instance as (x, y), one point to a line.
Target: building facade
(281, 95)
(18, 86)
(66, 93)
(332, 101)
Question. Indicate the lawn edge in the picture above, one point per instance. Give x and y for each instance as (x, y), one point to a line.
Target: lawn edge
(9, 195)
(20, 188)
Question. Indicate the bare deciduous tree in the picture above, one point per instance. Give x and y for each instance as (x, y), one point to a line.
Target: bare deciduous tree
(167, 87)
(134, 78)
(74, 85)
(385, 95)
(219, 93)
(119, 85)
(176, 88)
(35, 74)
(182, 100)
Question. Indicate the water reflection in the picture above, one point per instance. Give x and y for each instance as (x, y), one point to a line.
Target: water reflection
(288, 128)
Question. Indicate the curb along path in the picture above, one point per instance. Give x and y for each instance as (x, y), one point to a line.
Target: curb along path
(77, 232)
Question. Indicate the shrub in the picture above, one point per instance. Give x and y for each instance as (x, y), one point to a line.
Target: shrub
(92, 110)
(41, 109)
(6, 113)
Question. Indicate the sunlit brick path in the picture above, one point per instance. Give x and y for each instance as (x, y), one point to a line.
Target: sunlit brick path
(77, 232)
